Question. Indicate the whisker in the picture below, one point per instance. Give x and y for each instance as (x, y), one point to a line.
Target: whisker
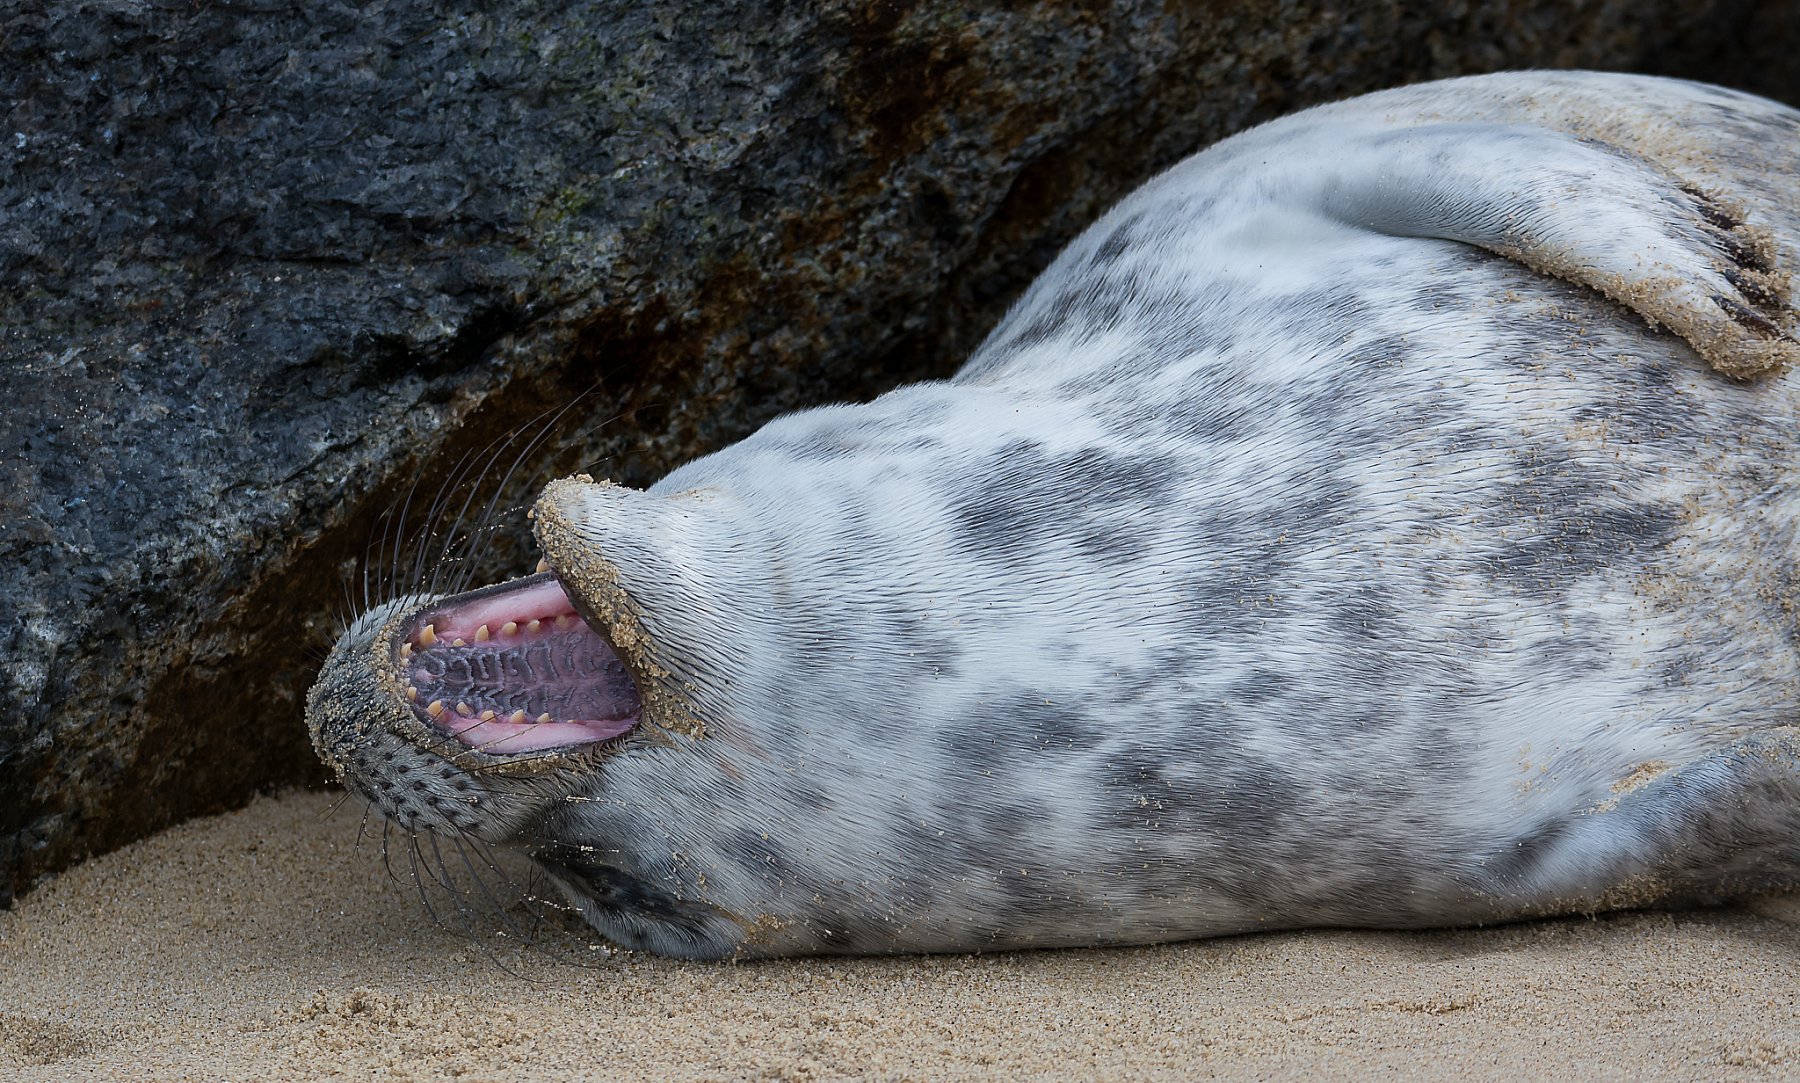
(481, 885)
(362, 828)
(392, 558)
(414, 859)
(332, 809)
(421, 562)
(446, 496)
(448, 556)
(467, 915)
(437, 872)
(481, 538)
(387, 829)
(457, 539)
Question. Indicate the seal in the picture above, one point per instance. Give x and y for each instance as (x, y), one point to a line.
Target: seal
(1386, 517)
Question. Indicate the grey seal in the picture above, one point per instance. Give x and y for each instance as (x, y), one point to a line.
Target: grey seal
(1384, 518)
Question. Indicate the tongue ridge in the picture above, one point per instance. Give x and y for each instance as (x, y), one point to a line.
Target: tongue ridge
(462, 663)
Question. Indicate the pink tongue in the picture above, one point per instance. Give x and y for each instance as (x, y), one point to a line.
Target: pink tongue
(506, 738)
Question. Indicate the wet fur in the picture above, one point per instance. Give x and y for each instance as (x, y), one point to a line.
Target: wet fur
(1298, 551)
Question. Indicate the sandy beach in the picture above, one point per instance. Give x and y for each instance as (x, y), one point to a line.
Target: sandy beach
(271, 944)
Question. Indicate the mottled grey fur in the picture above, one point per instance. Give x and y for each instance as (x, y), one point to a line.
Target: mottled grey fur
(1313, 544)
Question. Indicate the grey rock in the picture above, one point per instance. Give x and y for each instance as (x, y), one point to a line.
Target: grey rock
(266, 267)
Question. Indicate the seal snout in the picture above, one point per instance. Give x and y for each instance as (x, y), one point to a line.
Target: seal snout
(514, 669)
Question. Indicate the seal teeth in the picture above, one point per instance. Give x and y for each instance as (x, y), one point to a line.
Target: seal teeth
(435, 708)
(487, 716)
(427, 635)
(533, 626)
(543, 565)
(516, 717)
(563, 623)
(481, 634)
(459, 642)
(405, 650)
(412, 694)
(545, 717)
(510, 628)
(465, 710)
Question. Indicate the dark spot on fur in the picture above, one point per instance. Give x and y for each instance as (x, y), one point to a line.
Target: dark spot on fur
(760, 854)
(1433, 296)
(1519, 861)
(1017, 725)
(1562, 520)
(1243, 802)
(912, 643)
(1027, 497)
(1678, 671)
(1575, 542)
(1242, 592)
(1090, 307)
(1364, 613)
(1121, 543)
(808, 796)
(1117, 243)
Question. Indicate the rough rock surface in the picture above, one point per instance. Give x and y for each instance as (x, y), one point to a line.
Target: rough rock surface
(264, 263)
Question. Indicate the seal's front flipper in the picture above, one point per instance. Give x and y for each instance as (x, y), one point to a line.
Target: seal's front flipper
(636, 914)
(1582, 211)
(1716, 829)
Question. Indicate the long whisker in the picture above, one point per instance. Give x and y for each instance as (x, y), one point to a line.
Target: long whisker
(480, 535)
(481, 886)
(362, 828)
(332, 809)
(413, 860)
(437, 872)
(491, 454)
(392, 559)
(458, 480)
(387, 828)
(466, 915)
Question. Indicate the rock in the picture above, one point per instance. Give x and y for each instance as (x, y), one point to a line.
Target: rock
(269, 266)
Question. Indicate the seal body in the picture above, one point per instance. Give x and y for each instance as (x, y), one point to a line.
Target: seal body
(1386, 517)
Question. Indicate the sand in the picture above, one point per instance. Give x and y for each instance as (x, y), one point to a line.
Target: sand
(271, 944)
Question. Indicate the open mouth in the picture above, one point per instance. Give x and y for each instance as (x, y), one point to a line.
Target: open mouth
(513, 668)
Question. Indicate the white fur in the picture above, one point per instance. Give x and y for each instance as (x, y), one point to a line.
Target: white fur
(1299, 550)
